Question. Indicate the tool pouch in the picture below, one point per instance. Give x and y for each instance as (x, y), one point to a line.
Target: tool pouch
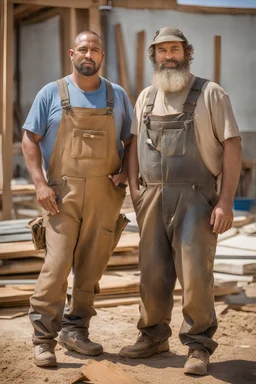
(38, 232)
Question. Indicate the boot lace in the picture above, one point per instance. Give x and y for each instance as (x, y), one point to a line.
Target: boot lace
(198, 354)
(44, 348)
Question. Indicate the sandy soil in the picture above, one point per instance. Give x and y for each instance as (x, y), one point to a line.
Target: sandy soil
(233, 362)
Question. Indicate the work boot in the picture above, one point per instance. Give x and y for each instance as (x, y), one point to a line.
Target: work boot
(78, 341)
(197, 362)
(145, 346)
(44, 355)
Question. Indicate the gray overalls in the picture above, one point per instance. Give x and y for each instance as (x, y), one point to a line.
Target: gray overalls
(173, 210)
(88, 226)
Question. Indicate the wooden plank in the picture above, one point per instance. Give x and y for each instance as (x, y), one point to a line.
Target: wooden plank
(103, 303)
(12, 313)
(226, 235)
(17, 189)
(122, 62)
(18, 250)
(217, 58)
(106, 373)
(239, 267)
(7, 114)
(229, 278)
(28, 265)
(140, 62)
(63, 3)
(241, 242)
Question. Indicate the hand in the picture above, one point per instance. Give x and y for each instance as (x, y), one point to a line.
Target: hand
(134, 192)
(118, 178)
(222, 217)
(47, 199)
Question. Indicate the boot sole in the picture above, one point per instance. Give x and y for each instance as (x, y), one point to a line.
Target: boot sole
(46, 363)
(72, 347)
(164, 347)
(191, 371)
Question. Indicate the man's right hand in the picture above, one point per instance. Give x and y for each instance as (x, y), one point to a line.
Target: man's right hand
(47, 199)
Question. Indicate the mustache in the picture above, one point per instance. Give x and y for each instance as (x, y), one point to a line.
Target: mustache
(88, 61)
(169, 61)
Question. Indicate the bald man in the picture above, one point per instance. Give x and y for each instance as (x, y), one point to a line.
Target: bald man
(78, 131)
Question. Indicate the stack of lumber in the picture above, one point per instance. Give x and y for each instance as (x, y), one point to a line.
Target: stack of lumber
(20, 264)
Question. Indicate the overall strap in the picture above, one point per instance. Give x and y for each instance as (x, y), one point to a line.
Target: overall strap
(190, 103)
(110, 96)
(150, 104)
(64, 95)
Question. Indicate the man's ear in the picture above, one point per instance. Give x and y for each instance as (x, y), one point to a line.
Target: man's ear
(71, 53)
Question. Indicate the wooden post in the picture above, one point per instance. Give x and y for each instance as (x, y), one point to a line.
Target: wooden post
(140, 62)
(7, 102)
(73, 21)
(122, 64)
(217, 58)
(68, 30)
(95, 26)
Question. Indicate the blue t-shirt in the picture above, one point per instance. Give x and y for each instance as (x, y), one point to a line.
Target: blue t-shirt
(46, 112)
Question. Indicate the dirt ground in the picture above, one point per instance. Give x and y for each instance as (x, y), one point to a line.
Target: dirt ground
(233, 362)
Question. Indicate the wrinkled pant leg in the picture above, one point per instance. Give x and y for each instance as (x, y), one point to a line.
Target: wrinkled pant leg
(103, 202)
(195, 245)
(158, 274)
(48, 300)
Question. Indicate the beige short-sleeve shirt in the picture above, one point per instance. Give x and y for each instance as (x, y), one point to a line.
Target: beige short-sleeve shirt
(214, 119)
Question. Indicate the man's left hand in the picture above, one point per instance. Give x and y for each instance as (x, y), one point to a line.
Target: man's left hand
(222, 217)
(119, 178)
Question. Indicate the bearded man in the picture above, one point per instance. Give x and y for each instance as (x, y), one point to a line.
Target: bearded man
(80, 126)
(185, 136)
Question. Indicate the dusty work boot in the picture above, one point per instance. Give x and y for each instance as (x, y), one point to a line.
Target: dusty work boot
(197, 362)
(44, 355)
(78, 341)
(145, 346)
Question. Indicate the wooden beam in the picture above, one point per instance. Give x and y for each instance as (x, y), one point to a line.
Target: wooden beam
(217, 58)
(145, 4)
(140, 62)
(7, 99)
(42, 16)
(25, 12)
(85, 4)
(172, 4)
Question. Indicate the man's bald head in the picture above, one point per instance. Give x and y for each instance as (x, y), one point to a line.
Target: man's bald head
(84, 34)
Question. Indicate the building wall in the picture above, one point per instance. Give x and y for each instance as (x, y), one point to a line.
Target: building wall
(238, 60)
(40, 58)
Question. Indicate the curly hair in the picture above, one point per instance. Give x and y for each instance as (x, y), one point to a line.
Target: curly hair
(188, 51)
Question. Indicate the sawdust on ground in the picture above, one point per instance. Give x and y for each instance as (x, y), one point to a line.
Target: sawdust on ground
(233, 362)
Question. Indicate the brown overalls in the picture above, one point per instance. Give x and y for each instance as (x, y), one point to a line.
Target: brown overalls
(173, 210)
(87, 228)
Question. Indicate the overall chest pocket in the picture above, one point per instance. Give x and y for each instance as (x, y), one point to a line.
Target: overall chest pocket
(89, 144)
(174, 142)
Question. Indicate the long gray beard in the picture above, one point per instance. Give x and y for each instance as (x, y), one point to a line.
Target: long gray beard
(170, 79)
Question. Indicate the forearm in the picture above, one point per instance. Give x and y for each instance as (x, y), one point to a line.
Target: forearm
(124, 168)
(133, 164)
(231, 169)
(33, 159)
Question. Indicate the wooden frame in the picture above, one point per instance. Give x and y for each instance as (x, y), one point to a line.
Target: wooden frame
(7, 104)
(63, 3)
